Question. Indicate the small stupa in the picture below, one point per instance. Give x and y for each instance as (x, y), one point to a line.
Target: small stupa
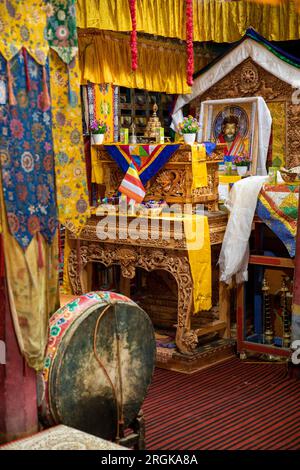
(152, 124)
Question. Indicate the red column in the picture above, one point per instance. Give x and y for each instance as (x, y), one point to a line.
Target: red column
(18, 406)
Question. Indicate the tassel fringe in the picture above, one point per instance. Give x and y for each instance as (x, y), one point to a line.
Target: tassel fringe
(11, 97)
(133, 36)
(40, 251)
(189, 42)
(28, 84)
(46, 96)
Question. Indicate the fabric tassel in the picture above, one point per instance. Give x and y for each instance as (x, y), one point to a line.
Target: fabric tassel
(28, 84)
(11, 97)
(133, 35)
(46, 96)
(189, 42)
(40, 251)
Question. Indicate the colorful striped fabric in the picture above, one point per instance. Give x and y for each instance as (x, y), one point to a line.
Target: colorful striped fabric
(147, 159)
(131, 185)
(233, 405)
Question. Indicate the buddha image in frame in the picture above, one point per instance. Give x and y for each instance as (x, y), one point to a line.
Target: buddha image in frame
(231, 126)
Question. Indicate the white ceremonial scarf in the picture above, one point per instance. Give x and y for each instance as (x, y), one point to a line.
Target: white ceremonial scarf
(234, 256)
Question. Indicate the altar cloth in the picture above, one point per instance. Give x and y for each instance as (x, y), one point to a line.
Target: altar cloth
(147, 159)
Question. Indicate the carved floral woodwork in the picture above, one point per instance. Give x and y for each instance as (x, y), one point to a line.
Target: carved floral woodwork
(170, 255)
(250, 79)
(148, 259)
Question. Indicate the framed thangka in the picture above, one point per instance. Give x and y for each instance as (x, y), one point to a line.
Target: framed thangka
(233, 123)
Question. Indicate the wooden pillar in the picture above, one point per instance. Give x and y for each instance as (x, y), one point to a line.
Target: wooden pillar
(296, 293)
(18, 400)
(125, 286)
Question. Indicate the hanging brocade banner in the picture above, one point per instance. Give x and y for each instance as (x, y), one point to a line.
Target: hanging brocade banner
(101, 106)
(27, 152)
(22, 24)
(70, 170)
(61, 28)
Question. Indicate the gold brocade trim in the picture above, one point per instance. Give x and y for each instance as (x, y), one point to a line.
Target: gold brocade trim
(278, 113)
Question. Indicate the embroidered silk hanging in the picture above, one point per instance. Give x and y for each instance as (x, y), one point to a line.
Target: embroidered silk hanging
(100, 102)
(27, 153)
(22, 24)
(61, 28)
(70, 170)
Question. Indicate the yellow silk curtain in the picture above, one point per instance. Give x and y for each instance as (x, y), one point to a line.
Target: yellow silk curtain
(214, 20)
(105, 58)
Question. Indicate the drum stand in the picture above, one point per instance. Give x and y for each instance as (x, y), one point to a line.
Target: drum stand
(136, 439)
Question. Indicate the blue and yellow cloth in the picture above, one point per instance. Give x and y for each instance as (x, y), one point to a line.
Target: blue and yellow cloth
(26, 146)
(277, 207)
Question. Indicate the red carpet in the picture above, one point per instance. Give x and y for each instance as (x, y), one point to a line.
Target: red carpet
(230, 406)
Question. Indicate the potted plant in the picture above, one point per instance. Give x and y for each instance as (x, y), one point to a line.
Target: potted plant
(189, 127)
(98, 129)
(242, 163)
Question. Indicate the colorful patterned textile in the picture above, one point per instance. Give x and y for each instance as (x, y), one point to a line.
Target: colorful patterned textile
(147, 159)
(131, 185)
(277, 207)
(23, 24)
(61, 28)
(70, 171)
(116, 113)
(101, 106)
(27, 155)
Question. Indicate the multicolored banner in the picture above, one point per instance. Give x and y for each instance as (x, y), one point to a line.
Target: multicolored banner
(27, 161)
(277, 207)
(147, 159)
(131, 185)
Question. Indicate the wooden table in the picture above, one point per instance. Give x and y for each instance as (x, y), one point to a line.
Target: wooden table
(150, 254)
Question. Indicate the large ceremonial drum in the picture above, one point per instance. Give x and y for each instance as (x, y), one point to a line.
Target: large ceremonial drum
(99, 363)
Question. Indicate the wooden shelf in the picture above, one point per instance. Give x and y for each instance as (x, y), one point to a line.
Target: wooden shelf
(131, 95)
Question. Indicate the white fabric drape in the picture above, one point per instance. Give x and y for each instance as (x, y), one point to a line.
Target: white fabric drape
(234, 254)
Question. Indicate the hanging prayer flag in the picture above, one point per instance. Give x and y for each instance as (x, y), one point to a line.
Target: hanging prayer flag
(131, 185)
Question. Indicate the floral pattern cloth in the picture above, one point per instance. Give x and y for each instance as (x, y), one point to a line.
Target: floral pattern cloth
(23, 24)
(277, 207)
(27, 154)
(101, 106)
(61, 28)
(70, 170)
